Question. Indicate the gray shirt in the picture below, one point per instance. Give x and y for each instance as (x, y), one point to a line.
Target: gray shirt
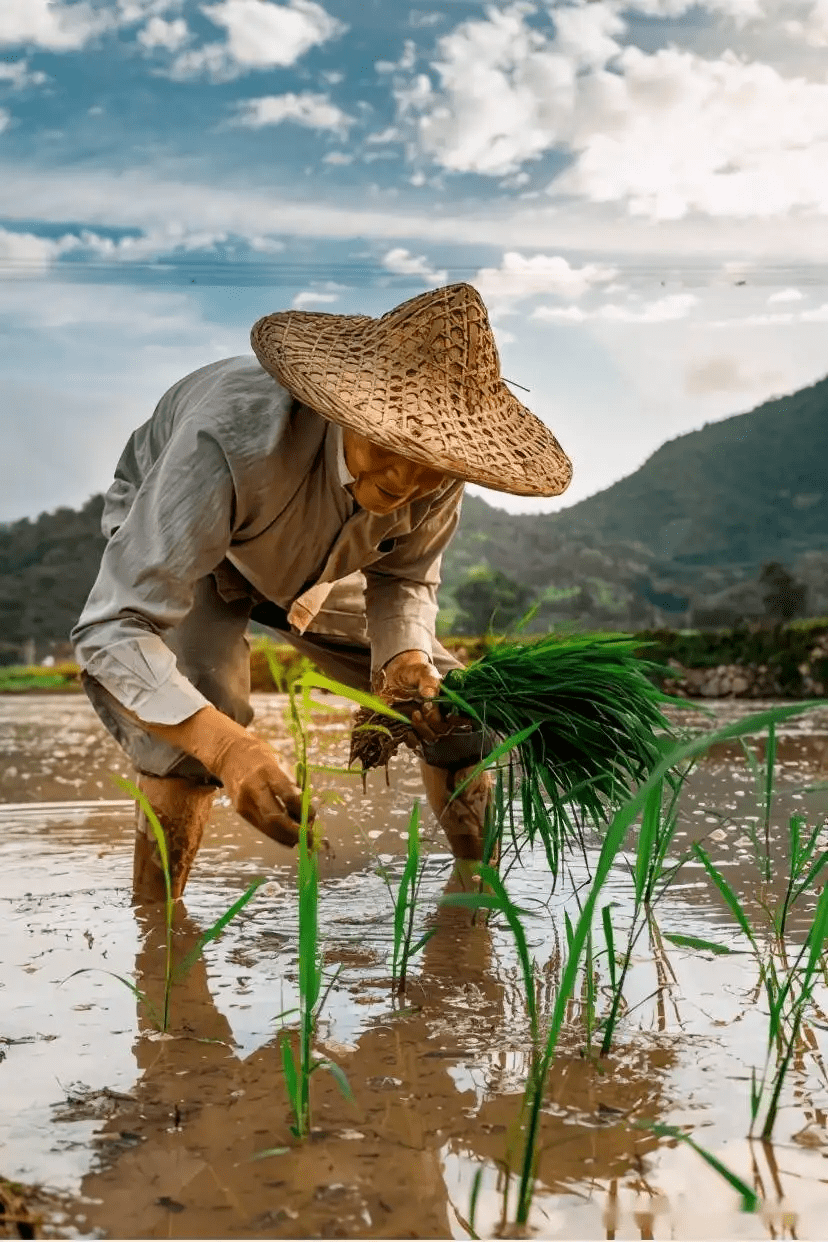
(230, 466)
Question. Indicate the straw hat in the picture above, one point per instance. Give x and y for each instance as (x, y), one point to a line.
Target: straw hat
(424, 381)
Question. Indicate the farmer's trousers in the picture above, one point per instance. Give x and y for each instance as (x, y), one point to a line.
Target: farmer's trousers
(213, 652)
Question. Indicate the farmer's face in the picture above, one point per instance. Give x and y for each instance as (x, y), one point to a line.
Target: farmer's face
(384, 481)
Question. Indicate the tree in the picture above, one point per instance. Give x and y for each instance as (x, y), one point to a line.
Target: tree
(784, 598)
(489, 601)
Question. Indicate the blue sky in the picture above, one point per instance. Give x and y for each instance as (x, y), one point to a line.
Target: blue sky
(639, 190)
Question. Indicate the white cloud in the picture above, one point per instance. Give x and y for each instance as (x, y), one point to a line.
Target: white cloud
(310, 297)
(131, 12)
(265, 245)
(314, 110)
(260, 35)
(27, 254)
(663, 310)
(785, 295)
(503, 91)
(403, 263)
(673, 133)
(389, 134)
(816, 26)
(337, 157)
(21, 254)
(160, 33)
(588, 36)
(5, 119)
(51, 24)
(18, 74)
(524, 277)
(666, 134)
(740, 11)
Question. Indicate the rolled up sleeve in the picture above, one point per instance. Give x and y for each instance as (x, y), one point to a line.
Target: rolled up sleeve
(177, 530)
(401, 587)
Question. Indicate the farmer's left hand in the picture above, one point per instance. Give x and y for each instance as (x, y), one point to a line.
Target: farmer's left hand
(411, 675)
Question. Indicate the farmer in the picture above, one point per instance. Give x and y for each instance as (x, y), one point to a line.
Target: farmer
(265, 490)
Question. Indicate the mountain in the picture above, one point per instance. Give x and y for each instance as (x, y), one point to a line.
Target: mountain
(680, 541)
(701, 515)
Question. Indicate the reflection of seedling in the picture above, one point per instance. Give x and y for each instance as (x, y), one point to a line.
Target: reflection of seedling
(311, 999)
(171, 976)
(750, 1200)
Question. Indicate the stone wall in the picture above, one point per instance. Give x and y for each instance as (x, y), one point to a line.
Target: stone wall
(747, 681)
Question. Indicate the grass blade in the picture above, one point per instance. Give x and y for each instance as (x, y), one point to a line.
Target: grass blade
(215, 931)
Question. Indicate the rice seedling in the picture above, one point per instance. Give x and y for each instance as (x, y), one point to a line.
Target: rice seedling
(405, 904)
(648, 871)
(299, 1068)
(578, 715)
(172, 975)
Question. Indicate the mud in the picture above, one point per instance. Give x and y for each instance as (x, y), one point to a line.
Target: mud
(125, 1133)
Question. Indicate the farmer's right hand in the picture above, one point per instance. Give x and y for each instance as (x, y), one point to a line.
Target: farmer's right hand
(259, 788)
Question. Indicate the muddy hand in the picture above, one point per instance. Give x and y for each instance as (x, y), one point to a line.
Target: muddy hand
(259, 788)
(411, 675)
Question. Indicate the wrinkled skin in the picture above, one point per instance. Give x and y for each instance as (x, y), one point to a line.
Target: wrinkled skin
(384, 481)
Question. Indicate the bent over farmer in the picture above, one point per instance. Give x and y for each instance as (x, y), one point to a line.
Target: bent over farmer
(313, 489)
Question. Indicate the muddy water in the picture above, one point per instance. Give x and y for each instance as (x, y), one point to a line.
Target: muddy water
(129, 1134)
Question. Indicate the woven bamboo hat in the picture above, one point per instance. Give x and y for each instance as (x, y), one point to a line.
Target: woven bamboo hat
(424, 381)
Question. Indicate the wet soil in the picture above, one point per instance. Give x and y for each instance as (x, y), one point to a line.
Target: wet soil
(109, 1129)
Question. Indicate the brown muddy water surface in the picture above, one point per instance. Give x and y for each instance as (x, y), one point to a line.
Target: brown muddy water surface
(111, 1130)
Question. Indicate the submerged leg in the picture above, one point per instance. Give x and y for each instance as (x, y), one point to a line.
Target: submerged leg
(182, 809)
(463, 819)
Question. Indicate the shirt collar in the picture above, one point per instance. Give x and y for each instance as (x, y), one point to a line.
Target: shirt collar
(343, 473)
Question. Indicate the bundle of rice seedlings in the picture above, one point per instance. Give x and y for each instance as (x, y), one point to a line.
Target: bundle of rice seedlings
(590, 721)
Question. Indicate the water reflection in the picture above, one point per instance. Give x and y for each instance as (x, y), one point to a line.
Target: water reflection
(176, 1160)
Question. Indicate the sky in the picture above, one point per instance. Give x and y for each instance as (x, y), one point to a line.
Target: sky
(638, 189)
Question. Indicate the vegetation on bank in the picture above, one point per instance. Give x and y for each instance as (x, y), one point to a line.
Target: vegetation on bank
(787, 649)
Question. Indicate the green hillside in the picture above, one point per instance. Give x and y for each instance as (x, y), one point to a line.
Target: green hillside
(747, 489)
(700, 517)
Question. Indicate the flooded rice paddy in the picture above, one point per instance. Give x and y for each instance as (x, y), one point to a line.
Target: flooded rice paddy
(108, 1129)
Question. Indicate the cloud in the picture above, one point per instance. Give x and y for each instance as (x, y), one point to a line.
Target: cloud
(673, 133)
(785, 295)
(740, 11)
(260, 35)
(27, 254)
(720, 374)
(812, 28)
(521, 277)
(502, 93)
(18, 74)
(159, 33)
(402, 263)
(663, 310)
(665, 134)
(24, 253)
(51, 24)
(313, 110)
(5, 119)
(337, 157)
(311, 297)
